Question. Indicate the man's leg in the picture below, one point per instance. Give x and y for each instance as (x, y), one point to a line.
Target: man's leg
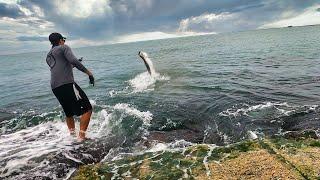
(70, 124)
(84, 122)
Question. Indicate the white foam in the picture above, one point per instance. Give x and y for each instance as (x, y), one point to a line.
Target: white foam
(93, 102)
(146, 116)
(158, 147)
(19, 148)
(104, 123)
(169, 124)
(172, 146)
(205, 160)
(245, 111)
(281, 108)
(112, 93)
(144, 82)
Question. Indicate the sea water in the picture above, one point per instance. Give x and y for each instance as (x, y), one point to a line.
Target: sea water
(214, 89)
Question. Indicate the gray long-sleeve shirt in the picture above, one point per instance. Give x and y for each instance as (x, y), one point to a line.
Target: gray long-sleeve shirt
(61, 60)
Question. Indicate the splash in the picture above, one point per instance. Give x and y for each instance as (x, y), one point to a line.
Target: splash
(23, 148)
(47, 149)
(146, 117)
(144, 82)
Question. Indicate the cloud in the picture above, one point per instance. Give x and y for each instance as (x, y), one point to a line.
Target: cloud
(10, 10)
(145, 36)
(253, 16)
(207, 23)
(82, 8)
(109, 18)
(100, 18)
(310, 16)
(98, 21)
(77, 18)
(32, 38)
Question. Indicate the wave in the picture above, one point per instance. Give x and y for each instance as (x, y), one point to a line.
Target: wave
(21, 149)
(266, 119)
(277, 107)
(35, 147)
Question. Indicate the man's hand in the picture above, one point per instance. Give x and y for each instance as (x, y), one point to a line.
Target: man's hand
(91, 79)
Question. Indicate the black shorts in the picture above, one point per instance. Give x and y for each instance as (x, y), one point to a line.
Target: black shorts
(72, 99)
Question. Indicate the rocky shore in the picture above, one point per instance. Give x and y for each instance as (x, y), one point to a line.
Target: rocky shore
(293, 156)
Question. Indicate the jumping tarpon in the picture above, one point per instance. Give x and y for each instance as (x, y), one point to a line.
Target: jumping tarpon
(147, 62)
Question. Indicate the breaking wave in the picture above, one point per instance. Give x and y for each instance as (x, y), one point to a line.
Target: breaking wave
(34, 148)
(280, 109)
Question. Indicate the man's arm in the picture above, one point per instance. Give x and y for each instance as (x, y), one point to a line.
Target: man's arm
(76, 63)
(73, 60)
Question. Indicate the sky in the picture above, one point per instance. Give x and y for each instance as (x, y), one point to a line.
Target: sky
(26, 24)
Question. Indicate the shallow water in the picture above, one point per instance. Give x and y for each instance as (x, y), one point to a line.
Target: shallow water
(211, 89)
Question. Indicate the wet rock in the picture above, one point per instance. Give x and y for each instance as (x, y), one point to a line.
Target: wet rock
(61, 163)
(170, 136)
(277, 158)
(301, 134)
(301, 121)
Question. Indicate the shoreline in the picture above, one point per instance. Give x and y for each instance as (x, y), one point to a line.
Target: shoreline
(294, 157)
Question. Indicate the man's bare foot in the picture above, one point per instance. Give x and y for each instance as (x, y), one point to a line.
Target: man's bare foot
(82, 135)
(72, 132)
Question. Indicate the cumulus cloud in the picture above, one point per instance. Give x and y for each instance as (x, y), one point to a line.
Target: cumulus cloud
(10, 10)
(82, 8)
(108, 21)
(254, 16)
(207, 23)
(310, 16)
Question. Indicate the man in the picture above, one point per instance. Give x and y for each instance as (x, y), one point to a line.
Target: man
(71, 97)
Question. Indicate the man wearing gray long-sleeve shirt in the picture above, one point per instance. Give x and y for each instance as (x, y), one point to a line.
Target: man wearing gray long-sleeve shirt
(73, 100)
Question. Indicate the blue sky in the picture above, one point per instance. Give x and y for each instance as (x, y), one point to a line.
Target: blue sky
(26, 24)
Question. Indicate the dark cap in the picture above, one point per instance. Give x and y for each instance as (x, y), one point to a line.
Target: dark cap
(55, 37)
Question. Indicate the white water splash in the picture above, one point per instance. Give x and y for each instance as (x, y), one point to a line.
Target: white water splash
(93, 102)
(25, 148)
(245, 111)
(144, 82)
(177, 145)
(146, 117)
(20, 148)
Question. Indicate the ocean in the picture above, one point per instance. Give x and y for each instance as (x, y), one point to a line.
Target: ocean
(212, 89)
